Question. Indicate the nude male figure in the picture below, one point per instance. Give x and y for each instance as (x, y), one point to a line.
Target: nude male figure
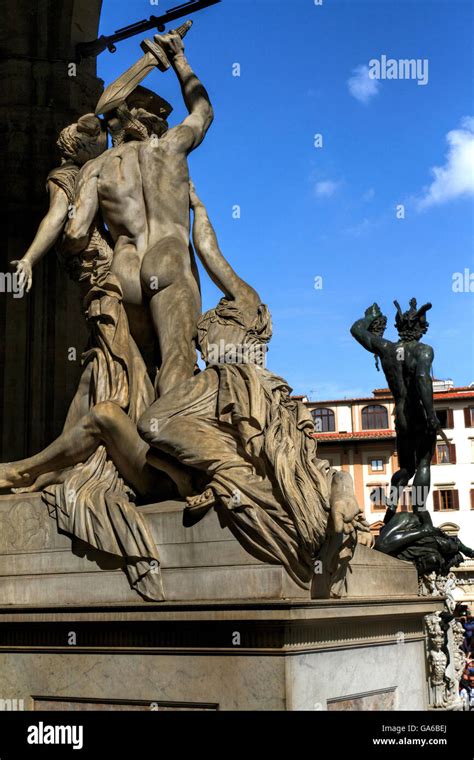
(129, 448)
(407, 368)
(141, 189)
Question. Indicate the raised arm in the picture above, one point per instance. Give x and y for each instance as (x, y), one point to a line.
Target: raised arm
(48, 233)
(369, 330)
(207, 248)
(191, 132)
(85, 208)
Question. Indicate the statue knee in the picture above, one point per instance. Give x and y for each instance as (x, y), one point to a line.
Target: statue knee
(104, 415)
(405, 474)
(151, 428)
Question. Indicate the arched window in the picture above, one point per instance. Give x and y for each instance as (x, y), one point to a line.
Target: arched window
(324, 420)
(450, 528)
(374, 417)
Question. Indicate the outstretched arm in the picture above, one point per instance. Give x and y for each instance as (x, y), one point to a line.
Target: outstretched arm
(191, 132)
(207, 248)
(48, 233)
(86, 206)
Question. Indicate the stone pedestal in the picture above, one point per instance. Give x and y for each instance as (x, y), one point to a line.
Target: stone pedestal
(234, 633)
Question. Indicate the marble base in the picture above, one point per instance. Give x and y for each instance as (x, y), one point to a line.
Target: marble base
(234, 633)
(267, 655)
(39, 566)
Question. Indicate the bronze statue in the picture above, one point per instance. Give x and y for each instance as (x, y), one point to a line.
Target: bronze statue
(430, 549)
(407, 368)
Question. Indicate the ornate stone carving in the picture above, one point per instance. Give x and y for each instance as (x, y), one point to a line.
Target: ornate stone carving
(445, 644)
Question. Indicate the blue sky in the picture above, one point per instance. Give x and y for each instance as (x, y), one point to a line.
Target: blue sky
(331, 211)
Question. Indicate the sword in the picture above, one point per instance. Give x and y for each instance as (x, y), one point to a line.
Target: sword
(155, 57)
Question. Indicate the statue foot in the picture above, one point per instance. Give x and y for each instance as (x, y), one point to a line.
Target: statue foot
(425, 518)
(26, 489)
(198, 506)
(11, 477)
(179, 475)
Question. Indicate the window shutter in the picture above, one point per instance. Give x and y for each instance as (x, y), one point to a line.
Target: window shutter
(467, 417)
(455, 499)
(436, 501)
(434, 458)
(472, 498)
(452, 453)
(450, 420)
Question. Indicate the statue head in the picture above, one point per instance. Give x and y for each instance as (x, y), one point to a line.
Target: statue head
(142, 114)
(82, 141)
(411, 324)
(227, 335)
(379, 320)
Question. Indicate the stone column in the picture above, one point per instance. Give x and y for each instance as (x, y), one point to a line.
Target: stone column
(39, 96)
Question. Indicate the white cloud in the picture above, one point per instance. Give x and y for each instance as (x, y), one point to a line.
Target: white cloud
(360, 228)
(361, 85)
(326, 188)
(456, 177)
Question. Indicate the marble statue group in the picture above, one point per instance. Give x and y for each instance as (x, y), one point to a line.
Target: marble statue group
(147, 424)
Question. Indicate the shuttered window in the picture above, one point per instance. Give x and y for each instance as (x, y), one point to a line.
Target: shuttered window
(469, 416)
(446, 500)
(445, 453)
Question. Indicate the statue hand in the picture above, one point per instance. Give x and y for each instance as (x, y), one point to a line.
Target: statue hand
(373, 311)
(24, 272)
(365, 537)
(345, 512)
(171, 43)
(433, 422)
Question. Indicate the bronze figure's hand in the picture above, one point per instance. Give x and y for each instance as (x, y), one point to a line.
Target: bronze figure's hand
(433, 422)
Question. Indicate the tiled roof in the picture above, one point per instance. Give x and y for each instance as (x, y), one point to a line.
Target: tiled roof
(458, 394)
(362, 435)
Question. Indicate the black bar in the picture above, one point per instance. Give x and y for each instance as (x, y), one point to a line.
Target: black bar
(95, 47)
